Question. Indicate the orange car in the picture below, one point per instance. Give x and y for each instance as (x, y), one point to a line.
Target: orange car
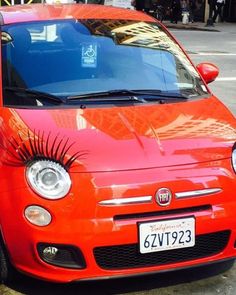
(116, 159)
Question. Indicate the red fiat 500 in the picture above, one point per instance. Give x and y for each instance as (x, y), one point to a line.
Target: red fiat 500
(116, 159)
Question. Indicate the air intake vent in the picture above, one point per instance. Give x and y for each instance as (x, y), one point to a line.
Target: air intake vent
(164, 212)
(128, 256)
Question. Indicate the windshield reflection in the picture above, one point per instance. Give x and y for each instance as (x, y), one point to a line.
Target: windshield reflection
(70, 57)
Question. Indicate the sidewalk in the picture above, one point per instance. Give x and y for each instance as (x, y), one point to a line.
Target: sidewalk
(200, 26)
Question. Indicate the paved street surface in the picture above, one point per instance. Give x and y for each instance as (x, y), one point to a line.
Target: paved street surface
(219, 47)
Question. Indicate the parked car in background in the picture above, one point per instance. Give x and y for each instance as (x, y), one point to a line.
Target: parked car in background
(119, 3)
(116, 158)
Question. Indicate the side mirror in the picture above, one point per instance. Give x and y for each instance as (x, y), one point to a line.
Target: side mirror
(208, 71)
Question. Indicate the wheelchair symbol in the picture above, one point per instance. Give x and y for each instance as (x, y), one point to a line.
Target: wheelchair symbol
(90, 52)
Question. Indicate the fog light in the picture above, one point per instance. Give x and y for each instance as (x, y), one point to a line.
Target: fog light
(50, 253)
(66, 256)
(38, 215)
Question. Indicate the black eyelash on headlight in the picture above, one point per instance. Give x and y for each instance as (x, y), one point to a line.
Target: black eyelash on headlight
(39, 148)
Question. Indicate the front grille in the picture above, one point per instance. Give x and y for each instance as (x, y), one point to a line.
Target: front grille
(163, 213)
(128, 256)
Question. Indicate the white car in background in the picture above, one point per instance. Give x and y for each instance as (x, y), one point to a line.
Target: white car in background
(119, 3)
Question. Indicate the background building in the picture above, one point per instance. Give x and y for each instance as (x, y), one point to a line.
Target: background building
(230, 10)
(201, 13)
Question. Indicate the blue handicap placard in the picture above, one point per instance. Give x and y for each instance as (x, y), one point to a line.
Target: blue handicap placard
(89, 55)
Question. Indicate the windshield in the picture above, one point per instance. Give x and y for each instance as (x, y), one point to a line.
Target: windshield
(69, 58)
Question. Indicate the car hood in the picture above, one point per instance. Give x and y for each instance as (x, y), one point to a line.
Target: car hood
(135, 137)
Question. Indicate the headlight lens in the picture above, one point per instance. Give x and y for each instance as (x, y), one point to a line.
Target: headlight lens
(49, 179)
(234, 159)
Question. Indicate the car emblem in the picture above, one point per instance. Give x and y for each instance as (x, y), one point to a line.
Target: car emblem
(163, 196)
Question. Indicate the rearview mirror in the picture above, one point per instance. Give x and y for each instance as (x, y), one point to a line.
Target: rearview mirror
(208, 71)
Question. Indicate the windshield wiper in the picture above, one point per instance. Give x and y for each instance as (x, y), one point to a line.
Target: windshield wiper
(113, 95)
(153, 94)
(39, 95)
(138, 95)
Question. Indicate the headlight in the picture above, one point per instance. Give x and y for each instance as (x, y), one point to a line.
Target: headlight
(49, 179)
(234, 160)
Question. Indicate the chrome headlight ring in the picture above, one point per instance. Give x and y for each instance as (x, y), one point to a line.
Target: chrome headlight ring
(234, 159)
(48, 179)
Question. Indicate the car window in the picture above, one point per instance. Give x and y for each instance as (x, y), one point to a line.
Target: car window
(72, 57)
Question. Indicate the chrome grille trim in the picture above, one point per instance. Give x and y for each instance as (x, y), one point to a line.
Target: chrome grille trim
(126, 201)
(197, 193)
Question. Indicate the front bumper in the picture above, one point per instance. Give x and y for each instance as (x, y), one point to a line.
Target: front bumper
(107, 235)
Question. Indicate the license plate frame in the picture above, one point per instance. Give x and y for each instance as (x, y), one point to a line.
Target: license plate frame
(167, 234)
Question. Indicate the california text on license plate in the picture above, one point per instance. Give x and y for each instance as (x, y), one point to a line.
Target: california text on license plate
(166, 234)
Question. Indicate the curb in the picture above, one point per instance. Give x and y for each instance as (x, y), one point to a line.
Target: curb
(190, 27)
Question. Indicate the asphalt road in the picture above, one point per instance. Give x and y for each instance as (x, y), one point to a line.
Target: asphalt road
(218, 48)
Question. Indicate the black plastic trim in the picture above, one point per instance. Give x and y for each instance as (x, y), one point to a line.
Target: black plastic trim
(163, 213)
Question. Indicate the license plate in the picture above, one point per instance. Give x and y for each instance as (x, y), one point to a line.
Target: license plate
(166, 235)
